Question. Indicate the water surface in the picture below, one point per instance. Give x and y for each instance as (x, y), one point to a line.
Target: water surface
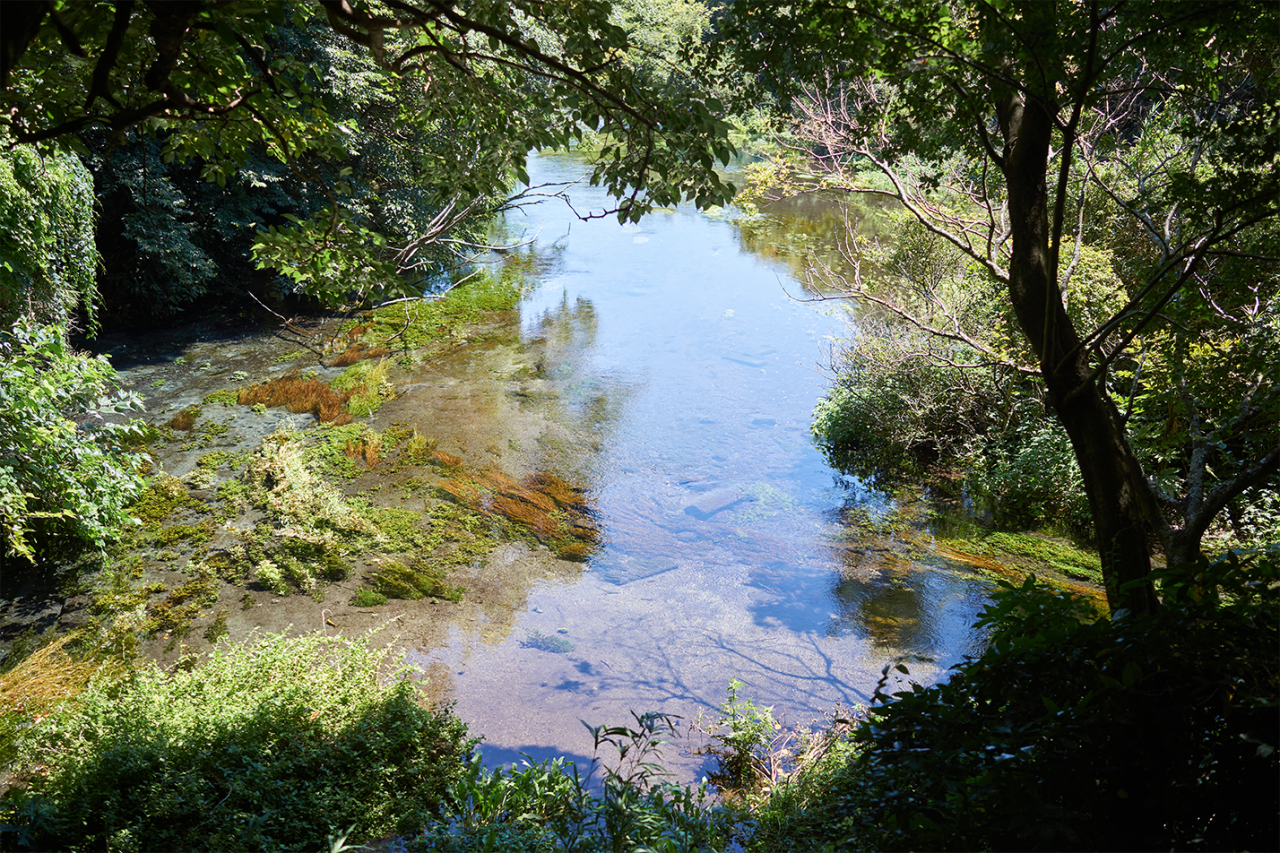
(675, 375)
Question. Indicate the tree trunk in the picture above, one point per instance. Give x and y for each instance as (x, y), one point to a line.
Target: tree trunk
(1118, 493)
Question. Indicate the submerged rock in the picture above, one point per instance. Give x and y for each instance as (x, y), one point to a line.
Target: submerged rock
(715, 502)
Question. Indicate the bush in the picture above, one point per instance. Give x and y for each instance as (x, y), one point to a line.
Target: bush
(270, 745)
(901, 410)
(548, 806)
(1029, 477)
(66, 474)
(1076, 734)
(897, 408)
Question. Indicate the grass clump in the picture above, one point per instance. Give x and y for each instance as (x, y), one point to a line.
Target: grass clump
(270, 745)
(214, 459)
(41, 683)
(418, 449)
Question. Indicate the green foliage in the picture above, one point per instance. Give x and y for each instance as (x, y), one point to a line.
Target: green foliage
(1131, 238)
(1028, 477)
(368, 598)
(268, 745)
(66, 473)
(420, 579)
(743, 739)
(156, 257)
(897, 409)
(548, 806)
(47, 251)
(385, 151)
(1068, 733)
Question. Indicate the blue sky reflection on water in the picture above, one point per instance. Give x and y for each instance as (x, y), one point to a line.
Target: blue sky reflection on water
(684, 377)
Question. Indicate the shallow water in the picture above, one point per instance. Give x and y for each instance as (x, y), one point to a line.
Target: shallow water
(674, 377)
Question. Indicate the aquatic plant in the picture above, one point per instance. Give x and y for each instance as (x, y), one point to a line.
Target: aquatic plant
(176, 612)
(1027, 552)
(418, 449)
(217, 628)
(368, 598)
(227, 397)
(420, 579)
(367, 449)
(358, 352)
(546, 643)
(423, 323)
(366, 387)
(162, 496)
(745, 740)
(548, 508)
(299, 394)
(184, 420)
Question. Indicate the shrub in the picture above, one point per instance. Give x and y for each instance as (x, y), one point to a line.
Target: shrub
(548, 806)
(1129, 733)
(897, 408)
(66, 474)
(1029, 477)
(269, 745)
(744, 740)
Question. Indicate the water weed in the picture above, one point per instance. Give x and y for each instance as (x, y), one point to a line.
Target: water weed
(301, 395)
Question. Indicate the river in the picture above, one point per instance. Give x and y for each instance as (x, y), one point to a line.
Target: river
(681, 374)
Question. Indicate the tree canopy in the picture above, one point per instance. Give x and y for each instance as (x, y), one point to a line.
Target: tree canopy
(1019, 133)
(485, 83)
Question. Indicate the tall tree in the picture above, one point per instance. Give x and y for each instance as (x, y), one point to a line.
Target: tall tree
(1035, 105)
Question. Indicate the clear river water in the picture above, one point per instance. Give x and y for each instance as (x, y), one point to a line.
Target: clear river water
(681, 376)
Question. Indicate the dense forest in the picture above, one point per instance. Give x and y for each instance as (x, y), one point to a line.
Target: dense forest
(1075, 328)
